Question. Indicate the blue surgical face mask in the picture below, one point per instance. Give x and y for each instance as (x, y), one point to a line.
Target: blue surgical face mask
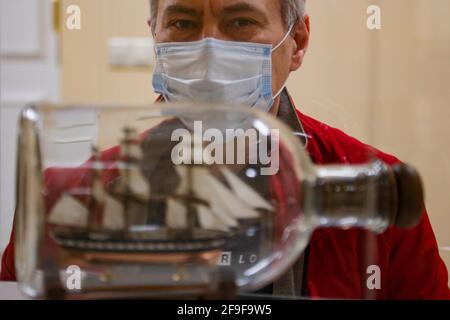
(216, 72)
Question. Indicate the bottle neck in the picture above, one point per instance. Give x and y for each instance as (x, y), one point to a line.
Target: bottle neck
(352, 196)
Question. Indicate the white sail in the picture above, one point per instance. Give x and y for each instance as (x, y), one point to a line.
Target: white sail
(176, 215)
(225, 206)
(183, 187)
(250, 197)
(209, 220)
(98, 191)
(221, 199)
(113, 214)
(221, 214)
(138, 186)
(131, 150)
(69, 212)
(229, 201)
(131, 147)
(201, 188)
(113, 211)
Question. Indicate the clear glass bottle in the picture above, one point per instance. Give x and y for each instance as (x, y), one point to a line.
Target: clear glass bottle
(166, 201)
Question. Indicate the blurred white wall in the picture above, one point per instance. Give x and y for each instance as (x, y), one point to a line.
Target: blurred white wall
(28, 72)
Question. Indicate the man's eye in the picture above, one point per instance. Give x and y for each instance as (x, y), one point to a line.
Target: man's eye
(242, 23)
(183, 24)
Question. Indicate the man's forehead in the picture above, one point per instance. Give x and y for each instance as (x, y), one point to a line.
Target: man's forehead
(217, 6)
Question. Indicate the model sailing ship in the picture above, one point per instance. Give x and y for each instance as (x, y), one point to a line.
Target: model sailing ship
(200, 215)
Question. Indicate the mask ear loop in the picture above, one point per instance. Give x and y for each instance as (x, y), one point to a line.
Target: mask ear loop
(280, 91)
(288, 33)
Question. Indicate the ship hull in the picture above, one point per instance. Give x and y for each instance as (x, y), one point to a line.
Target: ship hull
(161, 241)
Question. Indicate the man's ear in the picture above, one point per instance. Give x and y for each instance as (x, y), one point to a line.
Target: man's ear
(300, 33)
(149, 23)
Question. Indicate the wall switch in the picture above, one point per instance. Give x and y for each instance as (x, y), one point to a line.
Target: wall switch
(130, 52)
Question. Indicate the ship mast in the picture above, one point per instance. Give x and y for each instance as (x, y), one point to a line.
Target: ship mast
(126, 176)
(95, 190)
(191, 210)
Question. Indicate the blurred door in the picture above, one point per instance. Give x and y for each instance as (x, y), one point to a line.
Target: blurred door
(86, 73)
(29, 72)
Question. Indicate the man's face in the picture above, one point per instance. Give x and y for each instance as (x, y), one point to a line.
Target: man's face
(259, 21)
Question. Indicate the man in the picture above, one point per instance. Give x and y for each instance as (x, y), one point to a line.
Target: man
(196, 60)
(409, 260)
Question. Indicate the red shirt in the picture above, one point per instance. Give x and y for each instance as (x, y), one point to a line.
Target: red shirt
(410, 265)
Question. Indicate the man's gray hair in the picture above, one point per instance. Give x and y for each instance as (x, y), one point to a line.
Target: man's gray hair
(292, 10)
